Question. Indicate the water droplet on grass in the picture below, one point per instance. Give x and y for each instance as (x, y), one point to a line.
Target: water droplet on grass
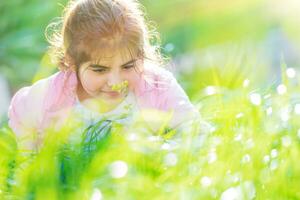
(206, 181)
(281, 89)
(231, 194)
(266, 159)
(171, 159)
(118, 169)
(269, 111)
(212, 157)
(255, 99)
(246, 83)
(97, 195)
(291, 72)
(210, 90)
(239, 115)
(274, 153)
(246, 159)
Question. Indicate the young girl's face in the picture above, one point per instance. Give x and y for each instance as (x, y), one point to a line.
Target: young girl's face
(110, 78)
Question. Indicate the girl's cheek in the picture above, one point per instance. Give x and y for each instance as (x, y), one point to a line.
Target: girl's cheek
(93, 81)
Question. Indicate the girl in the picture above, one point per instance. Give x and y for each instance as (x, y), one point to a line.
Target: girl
(108, 67)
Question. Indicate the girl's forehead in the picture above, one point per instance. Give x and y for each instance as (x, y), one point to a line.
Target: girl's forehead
(113, 55)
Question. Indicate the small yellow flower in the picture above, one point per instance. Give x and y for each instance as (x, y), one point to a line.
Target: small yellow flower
(120, 87)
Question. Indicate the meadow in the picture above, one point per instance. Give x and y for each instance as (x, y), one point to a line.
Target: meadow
(244, 83)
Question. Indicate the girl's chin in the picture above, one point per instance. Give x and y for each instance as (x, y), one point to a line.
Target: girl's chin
(111, 96)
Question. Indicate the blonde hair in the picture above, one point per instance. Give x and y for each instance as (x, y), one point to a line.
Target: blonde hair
(90, 27)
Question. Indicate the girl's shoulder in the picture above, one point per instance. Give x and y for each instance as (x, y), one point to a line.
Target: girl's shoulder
(156, 80)
(33, 93)
(161, 87)
(159, 74)
(25, 106)
(166, 94)
(29, 105)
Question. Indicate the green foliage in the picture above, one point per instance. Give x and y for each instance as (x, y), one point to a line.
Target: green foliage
(22, 41)
(249, 150)
(198, 25)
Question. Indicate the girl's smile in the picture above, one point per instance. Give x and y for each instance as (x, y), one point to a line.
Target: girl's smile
(110, 78)
(112, 94)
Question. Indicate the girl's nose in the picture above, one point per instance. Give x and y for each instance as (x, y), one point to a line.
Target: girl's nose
(113, 79)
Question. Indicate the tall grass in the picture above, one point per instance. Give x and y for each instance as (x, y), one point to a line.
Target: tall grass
(248, 150)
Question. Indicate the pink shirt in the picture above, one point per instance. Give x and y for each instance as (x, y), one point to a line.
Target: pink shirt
(47, 102)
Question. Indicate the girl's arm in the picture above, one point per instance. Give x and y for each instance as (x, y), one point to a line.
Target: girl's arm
(25, 113)
(168, 103)
(177, 102)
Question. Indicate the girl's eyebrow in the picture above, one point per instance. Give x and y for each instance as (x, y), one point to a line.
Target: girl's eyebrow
(129, 62)
(102, 66)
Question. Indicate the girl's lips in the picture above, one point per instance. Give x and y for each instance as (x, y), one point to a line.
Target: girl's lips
(113, 94)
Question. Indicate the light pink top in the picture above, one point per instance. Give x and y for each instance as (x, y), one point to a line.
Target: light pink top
(48, 101)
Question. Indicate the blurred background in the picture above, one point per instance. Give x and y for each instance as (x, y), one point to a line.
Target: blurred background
(238, 61)
(216, 42)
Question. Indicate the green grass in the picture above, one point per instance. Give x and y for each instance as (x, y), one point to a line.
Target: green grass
(249, 149)
(246, 146)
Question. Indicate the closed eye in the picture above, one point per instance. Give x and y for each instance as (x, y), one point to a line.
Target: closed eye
(129, 66)
(99, 70)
